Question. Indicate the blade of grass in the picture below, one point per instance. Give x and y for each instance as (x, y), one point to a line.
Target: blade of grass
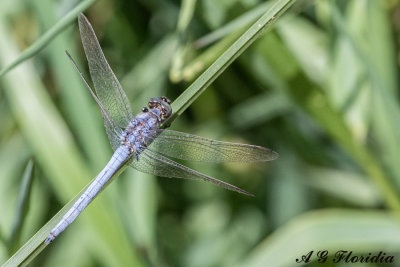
(55, 150)
(149, 76)
(232, 31)
(330, 230)
(192, 69)
(22, 208)
(264, 107)
(232, 26)
(377, 56)
(385, 115)
(341, 184)
(235, 29)
(226, 241)
(13, 155)
(47, 36)
(35, 245)
(85, 121)
(309, 48)
(202, 82)
(2, 239)
(185, 16)
(142, 200)
(316, 103)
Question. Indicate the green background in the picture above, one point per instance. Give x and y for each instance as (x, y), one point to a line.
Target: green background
(320, 88)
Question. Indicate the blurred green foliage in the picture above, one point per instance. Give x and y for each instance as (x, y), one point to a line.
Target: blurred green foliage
(320, 88)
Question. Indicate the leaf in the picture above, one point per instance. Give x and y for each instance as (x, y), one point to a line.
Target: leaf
(22, 207)
(308, 44)
(231, 32)
(264, 107)
(237, 48)
(316, 103)
(341, 184)
(85, 121)
(331, 230)
(35, 245)
(55, 150)
(185, 17)
(47, 37)
(233, 25)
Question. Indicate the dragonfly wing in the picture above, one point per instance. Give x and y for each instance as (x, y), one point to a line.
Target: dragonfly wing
(113, 134)
(195, 148)
(108, 89)
(153, 163)
(112, 129)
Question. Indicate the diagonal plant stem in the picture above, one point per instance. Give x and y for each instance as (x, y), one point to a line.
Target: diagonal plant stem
(47, 132)
(48, 36)
(237, 48)
(22, 207)
(388, 188)
(35, 245)
(237, 23)
(185, 17)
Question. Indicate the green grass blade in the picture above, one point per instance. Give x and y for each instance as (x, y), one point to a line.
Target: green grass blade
(264, 107)
(48, 36)
(330, 230)
(85, 121)
(232, 26)
(36, 244)
(192, 69)
(21, 208)
(385, 117)
(149, 76)
(202, 82)
(185, 17)
(2, 238)
(377, 56)
(309, 48)
(53, 145)
(316, 103)
(341, 184)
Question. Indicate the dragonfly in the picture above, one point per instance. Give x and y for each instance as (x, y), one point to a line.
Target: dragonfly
(140, 141)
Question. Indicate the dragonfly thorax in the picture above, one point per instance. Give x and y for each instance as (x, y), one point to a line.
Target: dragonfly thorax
(140, 131)
(144, 127)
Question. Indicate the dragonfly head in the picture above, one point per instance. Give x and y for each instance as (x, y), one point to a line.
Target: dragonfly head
(160, 106)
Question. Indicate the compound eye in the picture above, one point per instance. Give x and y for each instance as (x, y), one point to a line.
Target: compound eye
(144, 109)
(163, 98)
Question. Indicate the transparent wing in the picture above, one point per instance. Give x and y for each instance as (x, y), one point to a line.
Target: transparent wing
(153, 163)
(108, 89)
(195, 148)
(113, 135)
(112, 129)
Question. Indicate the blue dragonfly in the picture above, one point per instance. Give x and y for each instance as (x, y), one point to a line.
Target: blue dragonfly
(140, 141)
